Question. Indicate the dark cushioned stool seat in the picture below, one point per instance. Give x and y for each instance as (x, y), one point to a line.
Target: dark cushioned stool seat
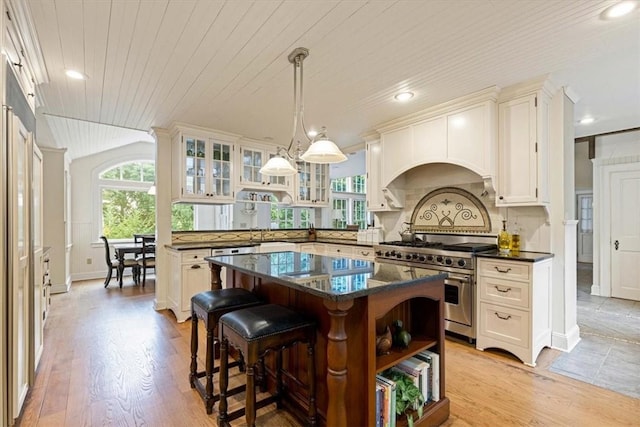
(254, 331)
(209, 306)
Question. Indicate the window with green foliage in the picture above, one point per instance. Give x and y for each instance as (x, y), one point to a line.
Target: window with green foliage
(339, 214)
(339, 185)
(126, 206)
(349, 202)
(282, 217)
(285, 217)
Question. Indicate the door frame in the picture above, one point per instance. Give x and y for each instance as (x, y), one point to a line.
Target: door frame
(603, 170)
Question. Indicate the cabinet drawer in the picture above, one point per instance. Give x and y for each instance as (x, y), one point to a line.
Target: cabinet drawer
(339, 250)
(507, 292)
(509, 270)
(504, 324)
(195, 256)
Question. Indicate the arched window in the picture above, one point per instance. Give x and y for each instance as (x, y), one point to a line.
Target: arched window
(127, 207)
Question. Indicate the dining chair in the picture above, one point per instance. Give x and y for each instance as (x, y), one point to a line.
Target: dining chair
(147, 258)
(113, 263)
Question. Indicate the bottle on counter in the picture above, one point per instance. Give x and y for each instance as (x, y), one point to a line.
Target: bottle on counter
(504, 239)
(515, 244)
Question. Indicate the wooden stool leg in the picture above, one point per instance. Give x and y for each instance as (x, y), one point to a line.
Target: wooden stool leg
(224, 382)
(250, 408)
(193, 371)
(262, 377)
(208, 396)
(312, 383)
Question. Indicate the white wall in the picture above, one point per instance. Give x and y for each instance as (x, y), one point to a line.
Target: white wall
(85, 226)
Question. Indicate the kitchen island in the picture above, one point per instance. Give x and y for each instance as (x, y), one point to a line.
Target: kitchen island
(352, 301)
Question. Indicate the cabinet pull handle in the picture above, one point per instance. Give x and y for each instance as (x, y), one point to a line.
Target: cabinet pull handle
(500, 317)
(504, 291)
(502, 271)
(194, 266)
(364, 253)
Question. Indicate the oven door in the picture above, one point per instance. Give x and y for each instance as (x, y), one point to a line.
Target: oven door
(458, 307)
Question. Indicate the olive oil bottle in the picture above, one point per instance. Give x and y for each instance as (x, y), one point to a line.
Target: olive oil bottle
(504, 240)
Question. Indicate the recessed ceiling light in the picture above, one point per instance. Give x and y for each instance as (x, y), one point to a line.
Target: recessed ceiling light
(403, 96)
(75, 74)
(587, 120)
(618, 9)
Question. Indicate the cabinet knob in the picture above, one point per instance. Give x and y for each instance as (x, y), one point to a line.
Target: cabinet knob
(501, 198)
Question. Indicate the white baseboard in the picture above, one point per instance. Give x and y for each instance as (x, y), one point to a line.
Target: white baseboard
(595, 290)
(566, 342)
(159, 305)
(60, 288)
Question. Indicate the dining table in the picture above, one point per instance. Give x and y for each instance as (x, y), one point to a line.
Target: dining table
(121, 250)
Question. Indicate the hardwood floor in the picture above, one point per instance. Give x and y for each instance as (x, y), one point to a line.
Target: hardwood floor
(110, 359)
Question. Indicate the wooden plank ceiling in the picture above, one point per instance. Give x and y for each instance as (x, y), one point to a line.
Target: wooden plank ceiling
(224, 65)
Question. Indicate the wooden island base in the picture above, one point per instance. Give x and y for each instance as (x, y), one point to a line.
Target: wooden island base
(346, 362)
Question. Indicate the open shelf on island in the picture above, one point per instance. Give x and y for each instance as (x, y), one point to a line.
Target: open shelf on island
(396, 354)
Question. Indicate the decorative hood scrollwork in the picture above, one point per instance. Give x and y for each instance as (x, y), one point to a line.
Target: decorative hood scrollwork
(450, 210)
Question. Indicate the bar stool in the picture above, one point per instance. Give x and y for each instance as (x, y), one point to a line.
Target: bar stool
(209, 306)
(254, 331)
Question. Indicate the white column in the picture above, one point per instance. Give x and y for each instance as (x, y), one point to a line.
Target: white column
(163, 214)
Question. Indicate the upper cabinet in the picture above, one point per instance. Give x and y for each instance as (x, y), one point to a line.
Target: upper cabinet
(461, 132)
(251, 157)
(375, 197)
(202, 166)
(523, 146)
(312, 185)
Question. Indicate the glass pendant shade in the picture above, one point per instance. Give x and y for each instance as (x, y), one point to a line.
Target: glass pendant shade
(323, 151)
(278, 166)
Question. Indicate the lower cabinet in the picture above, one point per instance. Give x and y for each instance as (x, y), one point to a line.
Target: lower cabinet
(514, 307)
(338, 250)
(190, 274)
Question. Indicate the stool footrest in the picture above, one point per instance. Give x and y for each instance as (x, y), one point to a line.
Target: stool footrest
(259, 404)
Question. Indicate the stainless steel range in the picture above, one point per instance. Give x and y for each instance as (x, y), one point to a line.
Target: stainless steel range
(457, 259)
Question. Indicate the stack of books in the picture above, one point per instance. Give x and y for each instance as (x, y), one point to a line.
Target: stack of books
(385, 402)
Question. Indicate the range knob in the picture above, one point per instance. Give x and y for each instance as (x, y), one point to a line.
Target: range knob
(439, 258)
(421, 258)
(448, 261)
(379, 253)
(399, 255)
(414, 256)
(393, 253)
(429, 258)
(408, 257)
(462, 263)
(387, 254)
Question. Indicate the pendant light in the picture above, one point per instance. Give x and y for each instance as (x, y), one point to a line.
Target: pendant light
(321, 149)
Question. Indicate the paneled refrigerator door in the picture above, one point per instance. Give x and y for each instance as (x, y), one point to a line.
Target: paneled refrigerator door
(19, 261)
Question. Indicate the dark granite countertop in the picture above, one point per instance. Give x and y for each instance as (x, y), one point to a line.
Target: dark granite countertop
(242, 244)
(331, 278)
(522, 256)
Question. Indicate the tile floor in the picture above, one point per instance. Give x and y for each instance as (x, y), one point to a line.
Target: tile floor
(608, 354)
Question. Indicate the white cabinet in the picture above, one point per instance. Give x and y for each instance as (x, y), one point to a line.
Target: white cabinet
(375, 198)
(251, 157)
(202, 166)
(514, 306)
(312, 185)
(190, 275)
(523, 147)
(397, 151)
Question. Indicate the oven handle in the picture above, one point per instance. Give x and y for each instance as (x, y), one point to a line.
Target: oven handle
(459, 278)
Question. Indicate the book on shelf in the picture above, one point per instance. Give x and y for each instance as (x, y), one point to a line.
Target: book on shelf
(389, 405)
(434, 360)
(420, 370)
(379, 405)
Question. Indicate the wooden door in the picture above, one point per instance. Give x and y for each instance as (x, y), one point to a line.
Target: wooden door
(625, 233)
(19, 290)
(585, 227)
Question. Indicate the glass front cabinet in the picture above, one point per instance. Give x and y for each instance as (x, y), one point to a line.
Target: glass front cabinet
(251, 158)
(202, 167)
(312, 184)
